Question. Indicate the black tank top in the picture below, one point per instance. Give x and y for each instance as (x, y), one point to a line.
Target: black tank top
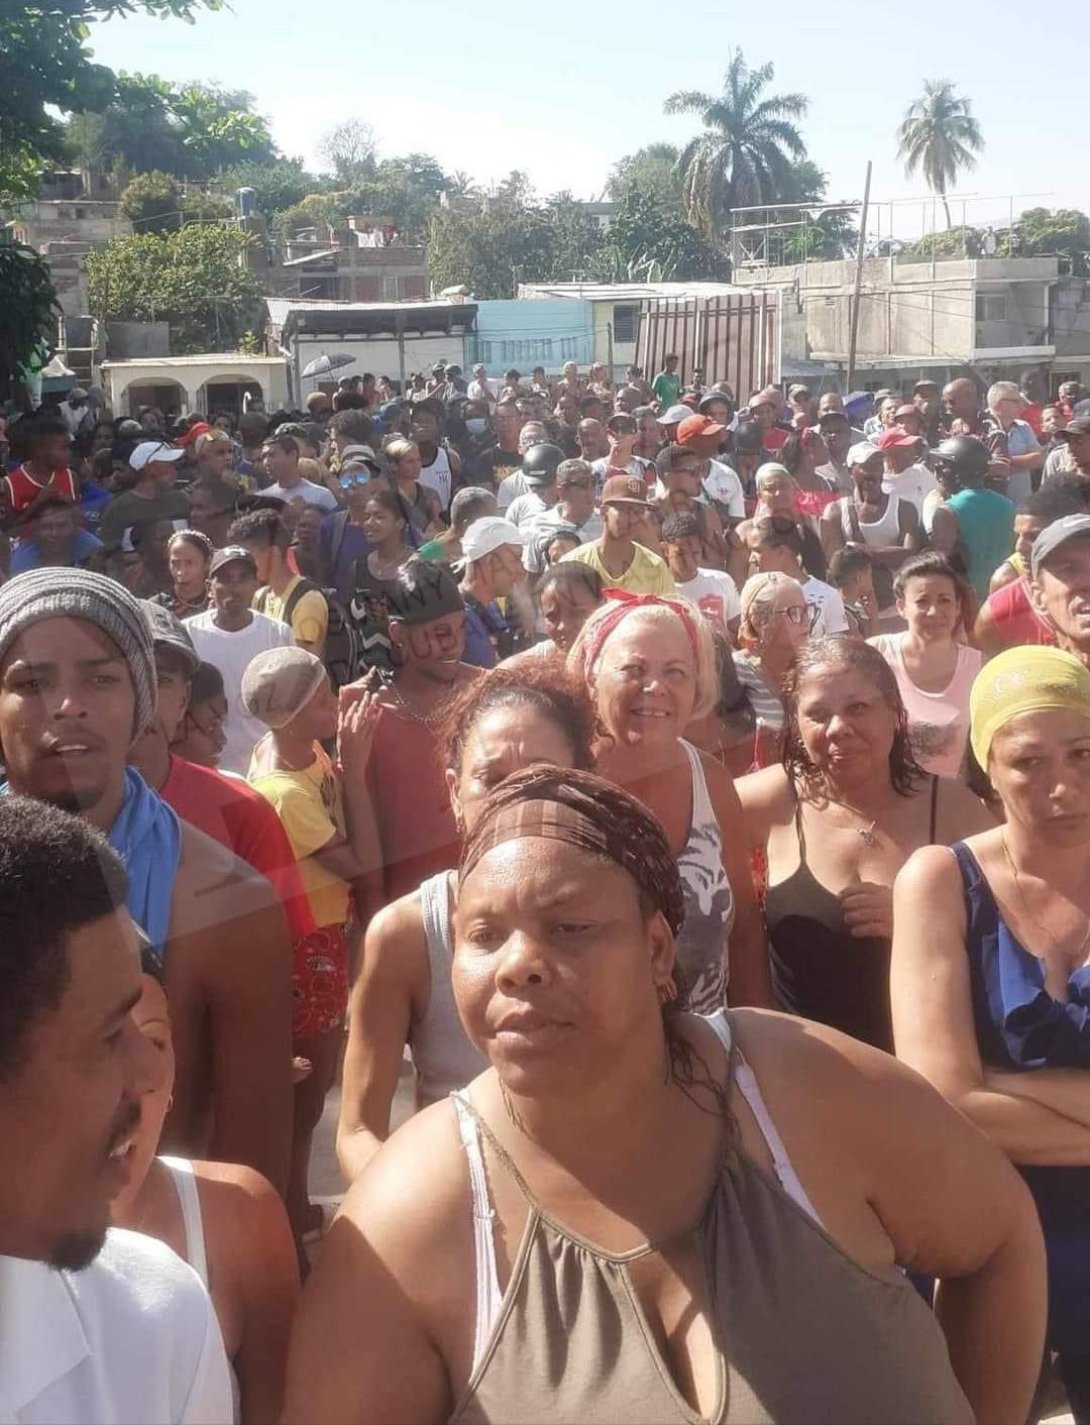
(820, 970)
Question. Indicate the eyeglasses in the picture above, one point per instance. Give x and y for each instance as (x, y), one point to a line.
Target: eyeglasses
(793, 614)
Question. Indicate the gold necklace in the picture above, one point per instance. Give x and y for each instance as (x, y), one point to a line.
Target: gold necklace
(1039, 924)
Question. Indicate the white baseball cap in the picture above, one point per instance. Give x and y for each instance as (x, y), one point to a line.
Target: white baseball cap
(675, 415)
(149, 450)
(861, 452)
(485, 536)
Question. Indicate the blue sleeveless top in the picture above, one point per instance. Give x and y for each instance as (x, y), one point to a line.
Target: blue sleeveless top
(1019, 1026)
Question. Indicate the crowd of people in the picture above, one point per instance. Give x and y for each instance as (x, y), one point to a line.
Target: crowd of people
(548, 733)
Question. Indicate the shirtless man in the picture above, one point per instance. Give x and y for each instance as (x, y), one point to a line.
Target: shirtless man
(77, 687)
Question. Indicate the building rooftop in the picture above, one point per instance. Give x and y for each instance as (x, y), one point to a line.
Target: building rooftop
(205, 358)
(630, 291)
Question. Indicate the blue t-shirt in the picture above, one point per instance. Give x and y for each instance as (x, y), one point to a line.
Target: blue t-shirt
(485, 627)
(27, 553)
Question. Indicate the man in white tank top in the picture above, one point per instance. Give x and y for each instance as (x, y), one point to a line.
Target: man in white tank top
(440, 467)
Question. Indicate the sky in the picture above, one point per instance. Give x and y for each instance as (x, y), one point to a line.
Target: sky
(511, 90)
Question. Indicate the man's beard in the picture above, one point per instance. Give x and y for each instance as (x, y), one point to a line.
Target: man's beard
(76, 1251)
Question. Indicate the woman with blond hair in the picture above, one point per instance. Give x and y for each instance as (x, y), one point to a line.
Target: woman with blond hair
(422, 504)
(650, 666)
(774, 625)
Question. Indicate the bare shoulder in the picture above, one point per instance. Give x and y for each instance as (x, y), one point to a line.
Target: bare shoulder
(842, 1073)
(395, 946)
(766, 794)
(247, 1226)
(407, 1217)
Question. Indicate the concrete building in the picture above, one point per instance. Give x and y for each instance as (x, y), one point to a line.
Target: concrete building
(995, 315)
(73, 214)
(349, 264)
(615, 310)
(546, 332)
(210, 382)
(392, 339)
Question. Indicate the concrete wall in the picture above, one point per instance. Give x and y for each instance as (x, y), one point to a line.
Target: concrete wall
(526, 334)
(379, 355)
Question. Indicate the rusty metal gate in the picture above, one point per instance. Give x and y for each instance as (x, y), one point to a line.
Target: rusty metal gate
(732, 338)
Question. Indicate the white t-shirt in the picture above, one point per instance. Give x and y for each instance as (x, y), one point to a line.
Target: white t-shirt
(231, 653)
(826, 606)
(307, 491)
(525, 508)
(722, 484)
(510, 488)
(715, 594)
(481, 391)
(536, 529)
(913, 485)
(132, 1337)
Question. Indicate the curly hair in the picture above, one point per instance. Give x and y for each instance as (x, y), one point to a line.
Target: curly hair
(543, 687)
(840, 650)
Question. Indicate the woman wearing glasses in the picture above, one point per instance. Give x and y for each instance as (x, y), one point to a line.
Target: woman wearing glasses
(773, 626)
(838, 819)
(774, 543)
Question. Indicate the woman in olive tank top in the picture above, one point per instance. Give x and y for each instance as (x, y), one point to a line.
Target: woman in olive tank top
(638, 1215)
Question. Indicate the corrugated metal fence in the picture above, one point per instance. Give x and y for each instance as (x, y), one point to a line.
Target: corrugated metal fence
(731, 338)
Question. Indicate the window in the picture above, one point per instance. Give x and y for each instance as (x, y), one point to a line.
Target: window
(991, 306)
(624, 323)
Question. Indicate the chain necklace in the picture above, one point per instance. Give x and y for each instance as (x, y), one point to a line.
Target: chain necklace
(1039, 924)
(428, 719)
(867, 834)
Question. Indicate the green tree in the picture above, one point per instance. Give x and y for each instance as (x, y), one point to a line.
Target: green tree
(649, 241)
(29, 311)
(46, 69)
(219, 127)
(1064, 233)
(152, 203)
(653, 169)
(277, 185)
(749, 151)
(939, 138)
(195, 279)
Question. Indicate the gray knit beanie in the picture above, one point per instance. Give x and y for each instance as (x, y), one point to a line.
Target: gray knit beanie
(77, 593)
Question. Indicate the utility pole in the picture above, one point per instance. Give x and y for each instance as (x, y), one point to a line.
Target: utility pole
(858, 281)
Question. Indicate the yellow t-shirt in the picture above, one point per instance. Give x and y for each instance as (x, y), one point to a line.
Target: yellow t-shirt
(309, 805)
(647, 574)
(309, 617)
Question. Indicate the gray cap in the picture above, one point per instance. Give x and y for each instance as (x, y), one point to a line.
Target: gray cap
(1055, 534)
(49, 593)
(169, 632)
(278, 684)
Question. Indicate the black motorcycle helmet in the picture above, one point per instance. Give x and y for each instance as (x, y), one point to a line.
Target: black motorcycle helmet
(539, 464)
(964, 457)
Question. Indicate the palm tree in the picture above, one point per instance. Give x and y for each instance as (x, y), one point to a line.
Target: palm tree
(749, 152)
(939, 138)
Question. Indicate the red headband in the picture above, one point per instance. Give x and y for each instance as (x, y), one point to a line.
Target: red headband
(626, 603)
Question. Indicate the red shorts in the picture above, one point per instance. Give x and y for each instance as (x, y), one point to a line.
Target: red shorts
(319, 981)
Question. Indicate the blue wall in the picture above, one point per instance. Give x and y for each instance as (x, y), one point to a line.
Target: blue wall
(531, 333)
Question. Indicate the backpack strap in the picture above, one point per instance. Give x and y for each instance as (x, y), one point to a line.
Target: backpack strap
(304, 586)
(340, 525)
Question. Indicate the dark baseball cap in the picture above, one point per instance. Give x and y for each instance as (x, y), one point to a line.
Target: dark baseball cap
(625, 490)
(1079, 426)
(232, 554)
(169, 632)
(1055, 534)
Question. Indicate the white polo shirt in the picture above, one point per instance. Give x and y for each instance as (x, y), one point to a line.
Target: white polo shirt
(132, 1338)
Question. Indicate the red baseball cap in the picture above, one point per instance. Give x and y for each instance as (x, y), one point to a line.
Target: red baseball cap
(694, 426)
(199, 428)
(896, 439)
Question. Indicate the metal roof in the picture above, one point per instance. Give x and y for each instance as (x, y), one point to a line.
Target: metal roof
(629, 291)
(364, 317)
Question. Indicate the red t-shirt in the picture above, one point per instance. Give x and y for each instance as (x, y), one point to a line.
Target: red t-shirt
(239, 818)
(774, 439)
(1016, 621)
(23, 489)
(411, 803)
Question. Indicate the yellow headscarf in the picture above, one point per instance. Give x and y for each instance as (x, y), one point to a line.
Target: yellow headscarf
(1022, 680)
